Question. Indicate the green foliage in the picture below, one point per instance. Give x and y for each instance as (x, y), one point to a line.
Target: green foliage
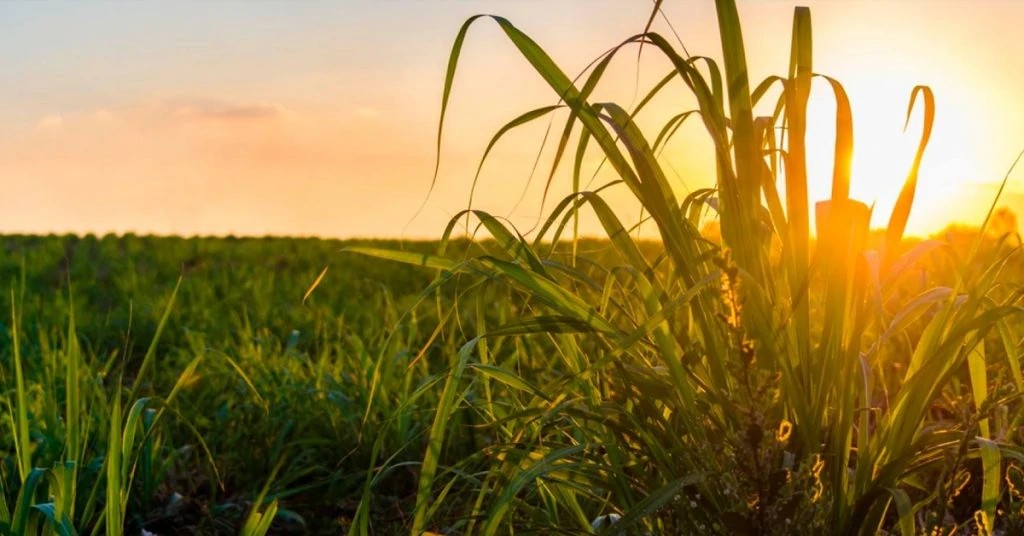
(146, 404)
(772, 380)
(781, 379)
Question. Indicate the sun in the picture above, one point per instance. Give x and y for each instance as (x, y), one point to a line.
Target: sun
(884, 151)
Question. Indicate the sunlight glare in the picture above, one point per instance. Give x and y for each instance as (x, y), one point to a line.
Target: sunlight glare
(883, 151)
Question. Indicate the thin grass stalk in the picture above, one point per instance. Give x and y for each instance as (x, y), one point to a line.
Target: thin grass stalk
(741, 192)
(72, 414)
(796, 95)
(22, 441)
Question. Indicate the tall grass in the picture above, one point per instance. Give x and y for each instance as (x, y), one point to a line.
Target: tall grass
(718, 387)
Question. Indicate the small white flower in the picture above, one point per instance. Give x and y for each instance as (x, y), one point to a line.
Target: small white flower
(601, 522)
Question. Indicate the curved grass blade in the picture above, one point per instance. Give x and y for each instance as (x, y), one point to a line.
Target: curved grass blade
(991, 490)
(257, 522)
(22, 441)
(21, 521)
(316, 283)
(844, 142)
(58, 523)
(651, 503)
(508, 378)
(446, 406)
(503, 501)
(901, 211)
(905, 511)
(147, 360)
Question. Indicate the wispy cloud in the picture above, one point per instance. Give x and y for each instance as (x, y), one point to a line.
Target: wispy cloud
(223, 110)
(209, 163)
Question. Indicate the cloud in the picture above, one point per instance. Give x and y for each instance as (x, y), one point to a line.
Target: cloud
(205, 164)
(222, 110)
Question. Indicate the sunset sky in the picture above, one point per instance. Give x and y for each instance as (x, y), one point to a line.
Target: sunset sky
(319, 118)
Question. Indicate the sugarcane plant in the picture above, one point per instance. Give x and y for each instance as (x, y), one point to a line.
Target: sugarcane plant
(741, 384)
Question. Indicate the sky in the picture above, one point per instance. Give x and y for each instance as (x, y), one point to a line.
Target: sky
(320, 118)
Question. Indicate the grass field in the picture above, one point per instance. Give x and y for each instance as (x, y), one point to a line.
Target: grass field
(261, 387)
(306, 399)
(262, 378)
(744, 373)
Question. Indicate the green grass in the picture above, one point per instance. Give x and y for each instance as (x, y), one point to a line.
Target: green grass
(716, 387)
(771, 380)
(160, 405)
(333, 423)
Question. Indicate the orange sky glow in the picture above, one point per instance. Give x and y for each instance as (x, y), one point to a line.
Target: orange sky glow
(319, 118)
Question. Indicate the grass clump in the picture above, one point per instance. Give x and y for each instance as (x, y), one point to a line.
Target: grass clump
(781, 379)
